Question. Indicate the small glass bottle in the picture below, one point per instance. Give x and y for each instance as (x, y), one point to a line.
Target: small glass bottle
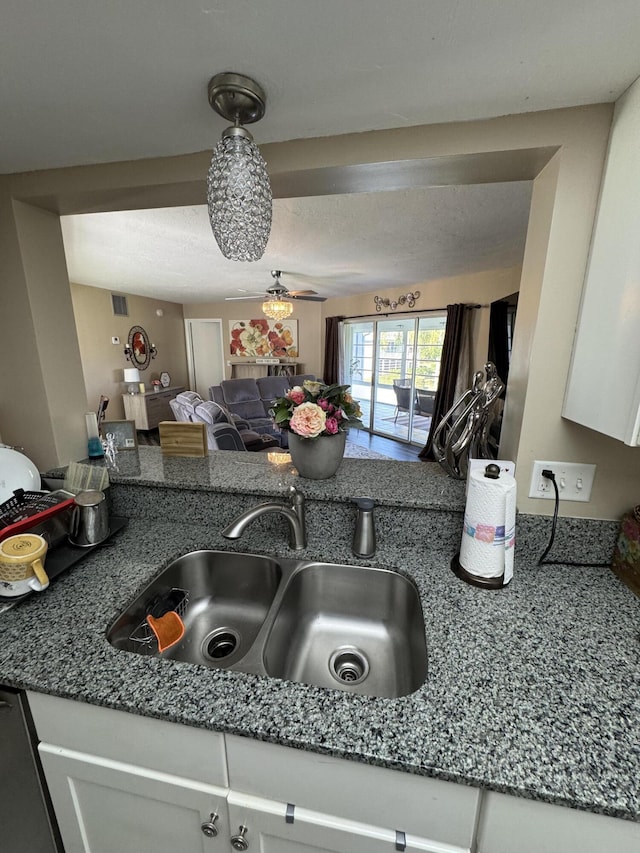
(94, 445)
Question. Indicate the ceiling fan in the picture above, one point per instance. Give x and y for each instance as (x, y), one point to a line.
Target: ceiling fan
(278, 291)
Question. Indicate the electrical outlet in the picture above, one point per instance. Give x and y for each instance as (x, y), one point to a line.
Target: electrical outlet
(574, 480)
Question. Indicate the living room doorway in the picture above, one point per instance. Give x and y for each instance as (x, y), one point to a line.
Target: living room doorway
(205, 354)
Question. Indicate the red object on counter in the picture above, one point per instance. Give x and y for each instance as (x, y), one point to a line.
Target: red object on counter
(26, 509)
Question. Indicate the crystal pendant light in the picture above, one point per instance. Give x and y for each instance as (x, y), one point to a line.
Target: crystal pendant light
(238, 189)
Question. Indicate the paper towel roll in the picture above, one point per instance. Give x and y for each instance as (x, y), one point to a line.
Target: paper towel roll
(488, 535)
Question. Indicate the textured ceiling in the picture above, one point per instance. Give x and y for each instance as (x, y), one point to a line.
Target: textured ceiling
(83, 81)
(87, 81)
(335, 245)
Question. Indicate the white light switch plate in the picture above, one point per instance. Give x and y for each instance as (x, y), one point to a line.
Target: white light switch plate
(574, 480)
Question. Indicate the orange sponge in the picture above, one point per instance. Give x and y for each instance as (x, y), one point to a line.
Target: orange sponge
(169, 629)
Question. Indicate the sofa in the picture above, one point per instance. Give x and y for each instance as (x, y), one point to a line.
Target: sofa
(224, 432)
(251, 399)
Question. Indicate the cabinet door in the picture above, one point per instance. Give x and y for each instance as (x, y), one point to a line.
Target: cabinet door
(158, 409)
(135, 409)
(267, 831)
(509, 824)
(104, 806)
(603, 388)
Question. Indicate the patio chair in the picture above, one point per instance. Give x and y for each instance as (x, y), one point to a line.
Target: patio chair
(405, 398)
(425, 402)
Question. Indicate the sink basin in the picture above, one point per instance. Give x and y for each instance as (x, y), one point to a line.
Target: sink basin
(353, 628)
(228, 598)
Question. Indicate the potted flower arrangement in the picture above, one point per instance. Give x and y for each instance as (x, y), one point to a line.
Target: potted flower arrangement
(317, 418)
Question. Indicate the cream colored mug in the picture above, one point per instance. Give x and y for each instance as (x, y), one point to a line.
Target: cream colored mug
(22, 564)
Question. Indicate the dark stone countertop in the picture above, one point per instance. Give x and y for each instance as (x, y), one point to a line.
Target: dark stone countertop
(532, 690)
(407, 484)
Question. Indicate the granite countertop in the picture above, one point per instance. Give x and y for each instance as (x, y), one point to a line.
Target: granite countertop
(532, 690)
(398, 483)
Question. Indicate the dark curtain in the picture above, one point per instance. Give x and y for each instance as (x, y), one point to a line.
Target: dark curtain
(331, 370)
(498, 338)
(451, 348)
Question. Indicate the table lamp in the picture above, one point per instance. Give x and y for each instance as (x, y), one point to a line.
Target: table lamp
(132, 377)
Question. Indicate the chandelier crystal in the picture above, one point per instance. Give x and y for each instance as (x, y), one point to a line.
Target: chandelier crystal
(239, 195)
(277, 308)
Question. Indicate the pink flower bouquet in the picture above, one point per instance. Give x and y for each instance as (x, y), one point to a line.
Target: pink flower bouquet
(314, 409)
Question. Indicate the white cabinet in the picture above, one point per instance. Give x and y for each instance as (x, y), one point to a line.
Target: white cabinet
(273, 827)
(112, 773)
(121, 782)
(509, 824)
(354, 800)
(105, 806)
(603, 389)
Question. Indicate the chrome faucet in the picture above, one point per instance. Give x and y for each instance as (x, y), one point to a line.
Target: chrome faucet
(294, 513)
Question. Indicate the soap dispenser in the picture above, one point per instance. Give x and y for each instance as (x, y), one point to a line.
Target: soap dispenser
(364, 536)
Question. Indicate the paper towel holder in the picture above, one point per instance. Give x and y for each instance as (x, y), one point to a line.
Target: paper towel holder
(491, 472)
(488, 583)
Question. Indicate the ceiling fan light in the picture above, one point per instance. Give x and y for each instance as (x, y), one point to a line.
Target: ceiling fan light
(277, 309)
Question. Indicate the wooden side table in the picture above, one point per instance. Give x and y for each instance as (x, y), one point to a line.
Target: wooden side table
(148, 409)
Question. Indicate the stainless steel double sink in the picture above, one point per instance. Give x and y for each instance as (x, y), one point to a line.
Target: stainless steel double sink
(355, 628)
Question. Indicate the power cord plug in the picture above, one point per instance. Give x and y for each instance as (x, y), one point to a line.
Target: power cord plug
(548, 474)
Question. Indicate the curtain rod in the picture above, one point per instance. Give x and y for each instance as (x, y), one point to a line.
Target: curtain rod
(411, 311)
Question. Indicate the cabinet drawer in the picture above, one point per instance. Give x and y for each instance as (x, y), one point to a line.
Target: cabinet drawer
(441, 811)
(158, 407)
(144, 741)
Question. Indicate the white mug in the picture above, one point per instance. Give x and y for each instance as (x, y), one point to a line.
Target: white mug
(22, 564)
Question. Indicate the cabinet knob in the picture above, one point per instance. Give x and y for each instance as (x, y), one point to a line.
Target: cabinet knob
(209, 826)
(239, 842)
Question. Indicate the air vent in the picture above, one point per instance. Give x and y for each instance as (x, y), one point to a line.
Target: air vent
(119, 303)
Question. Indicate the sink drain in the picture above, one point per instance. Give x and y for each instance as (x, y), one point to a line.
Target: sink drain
(348, 665)
(221, 643)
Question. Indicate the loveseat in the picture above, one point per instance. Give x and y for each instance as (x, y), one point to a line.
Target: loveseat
(251, 399)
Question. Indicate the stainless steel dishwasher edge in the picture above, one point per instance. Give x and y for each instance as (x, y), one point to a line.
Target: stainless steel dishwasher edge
(26, 816)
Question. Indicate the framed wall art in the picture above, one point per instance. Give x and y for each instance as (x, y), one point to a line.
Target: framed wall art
(124, 433)
(263, 337)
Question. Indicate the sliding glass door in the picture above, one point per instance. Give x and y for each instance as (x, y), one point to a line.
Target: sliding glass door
(393, 366)
(357, 363)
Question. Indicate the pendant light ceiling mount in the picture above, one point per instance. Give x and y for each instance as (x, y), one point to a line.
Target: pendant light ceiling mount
(239, 194)
(237, 98)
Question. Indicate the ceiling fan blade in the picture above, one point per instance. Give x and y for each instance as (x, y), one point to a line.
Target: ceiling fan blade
(238, 298)
(309, 298)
